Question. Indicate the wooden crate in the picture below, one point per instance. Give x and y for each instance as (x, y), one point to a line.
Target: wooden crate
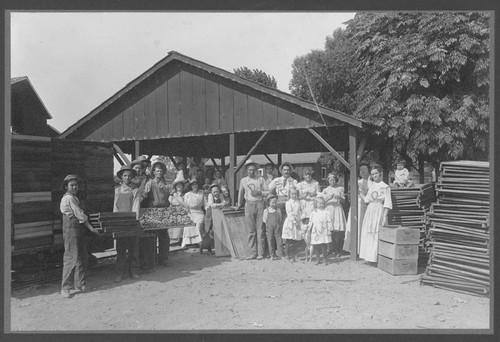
(397, 251)
(400, 235)
(397, 266)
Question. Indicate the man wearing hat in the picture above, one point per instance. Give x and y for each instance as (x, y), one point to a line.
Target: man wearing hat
(141, 179)
(127, 199)
(253, 191)
(155, 195)
(281, 185)
(75, 242)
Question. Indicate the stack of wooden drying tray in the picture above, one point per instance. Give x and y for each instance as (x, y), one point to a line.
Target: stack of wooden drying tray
(409, 209)
(459, 241)
(116, 224)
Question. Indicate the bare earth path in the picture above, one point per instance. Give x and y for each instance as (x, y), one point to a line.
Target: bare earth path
(205, 292)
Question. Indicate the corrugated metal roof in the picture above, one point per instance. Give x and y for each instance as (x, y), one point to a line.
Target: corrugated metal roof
(175, 56)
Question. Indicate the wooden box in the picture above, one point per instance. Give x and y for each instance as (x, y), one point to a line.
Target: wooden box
(397, 251)
(397, 266)
(398, 234)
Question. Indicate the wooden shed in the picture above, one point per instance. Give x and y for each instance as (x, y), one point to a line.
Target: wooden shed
(183, 107)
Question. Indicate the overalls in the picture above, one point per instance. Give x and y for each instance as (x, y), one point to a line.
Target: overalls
(75, 253)
(273, 228)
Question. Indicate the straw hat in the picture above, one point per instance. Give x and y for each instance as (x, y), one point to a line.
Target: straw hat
(271, 196)
(285, 164)
(136, 162)
(193, 180)
(69, 178)
(179, 178)
(251, 162)
(126, 168)
(160, 164)
(213, 185)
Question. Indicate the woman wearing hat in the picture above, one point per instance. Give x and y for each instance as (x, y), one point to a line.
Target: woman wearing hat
(253, 190)
(215, 200)
(156, 193)
(127, 199)
(75, 242)
(177, 191)
(195, 201)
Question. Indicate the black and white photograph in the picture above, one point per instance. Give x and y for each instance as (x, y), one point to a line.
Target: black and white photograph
(250, 171)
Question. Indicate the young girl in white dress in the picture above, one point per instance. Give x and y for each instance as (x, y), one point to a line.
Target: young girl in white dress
(334, 196)
(379, 202)
(291, 226)
(320, 226)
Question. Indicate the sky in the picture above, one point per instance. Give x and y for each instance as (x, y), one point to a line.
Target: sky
(76, 61)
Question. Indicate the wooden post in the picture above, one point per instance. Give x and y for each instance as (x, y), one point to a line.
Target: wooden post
(232, 166)
(223, 166)
(353, 166)
(137, 150)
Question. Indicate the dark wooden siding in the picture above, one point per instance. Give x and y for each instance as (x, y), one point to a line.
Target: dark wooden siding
(189, 103)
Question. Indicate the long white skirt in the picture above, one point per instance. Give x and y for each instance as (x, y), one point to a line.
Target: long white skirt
(191, 234)
(361, 214)
(369, 232)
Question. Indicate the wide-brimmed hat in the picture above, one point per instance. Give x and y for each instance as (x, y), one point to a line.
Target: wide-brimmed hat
(191, 182)
(126, 168)
(68, 178)
(136, 162)
(285, 164)
(144, 159)
(160, 164)
(251, 162)
(213, 185)
(179, 178)
(270, 196)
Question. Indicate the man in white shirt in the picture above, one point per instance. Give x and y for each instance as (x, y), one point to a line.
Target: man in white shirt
(253, 191)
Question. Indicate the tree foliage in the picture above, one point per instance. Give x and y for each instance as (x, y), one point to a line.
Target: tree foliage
(258, 76)
(420, 78)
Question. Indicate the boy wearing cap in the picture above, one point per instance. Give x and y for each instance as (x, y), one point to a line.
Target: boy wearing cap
(253, 190)
(155, 195)
(127, 199)
(75, 242)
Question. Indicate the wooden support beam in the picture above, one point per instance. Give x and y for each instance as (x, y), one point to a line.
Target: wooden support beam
(137, 149)
(117, 156)
(327, 145)
(223, 166)
(121, 154)
(280, 161)
(361, 149)
(217, 167)
(274, 165)
(232, 167)
(259, 141)
(353, 159)
(172, 159)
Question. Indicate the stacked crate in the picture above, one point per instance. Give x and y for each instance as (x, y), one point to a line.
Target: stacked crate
(398, 250)
(115, 223)
(410, 207)
(459, 236)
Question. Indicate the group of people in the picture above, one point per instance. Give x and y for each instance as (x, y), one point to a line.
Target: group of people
(287, 213)
(282, 212)
(140, 189)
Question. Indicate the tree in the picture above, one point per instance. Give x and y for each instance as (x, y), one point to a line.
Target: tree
(420, 78)
(258, 76)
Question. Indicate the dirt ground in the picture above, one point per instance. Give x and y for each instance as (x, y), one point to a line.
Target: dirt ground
(206, 292)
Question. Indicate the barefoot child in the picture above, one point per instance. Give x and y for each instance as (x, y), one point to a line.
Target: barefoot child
(321, 225)
(334, 196)
(273, 219)
(75, 242)
(401, 175)
(291, 227)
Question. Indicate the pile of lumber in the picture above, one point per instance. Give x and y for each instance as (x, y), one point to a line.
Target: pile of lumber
(459, 241)
(108, 222)
(410, 207)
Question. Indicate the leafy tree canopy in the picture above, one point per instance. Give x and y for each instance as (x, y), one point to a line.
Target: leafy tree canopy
(258, 76)
(420, 78)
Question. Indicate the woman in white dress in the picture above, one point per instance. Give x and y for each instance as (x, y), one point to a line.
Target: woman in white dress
(379, 203)
(308, 189)
(363, 185)
(195, 201)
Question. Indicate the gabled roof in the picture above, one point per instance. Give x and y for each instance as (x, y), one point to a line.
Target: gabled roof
(175, 56)
(22, 84)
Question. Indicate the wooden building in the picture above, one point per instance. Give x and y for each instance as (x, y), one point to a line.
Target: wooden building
(28, 113)
(182, 107)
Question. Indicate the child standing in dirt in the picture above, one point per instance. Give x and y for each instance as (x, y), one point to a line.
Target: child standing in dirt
(320, 226)
(273, 219)
(291, 227)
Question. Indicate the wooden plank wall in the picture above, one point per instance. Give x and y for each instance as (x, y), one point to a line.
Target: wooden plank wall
(191, 104)
(38, 168)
